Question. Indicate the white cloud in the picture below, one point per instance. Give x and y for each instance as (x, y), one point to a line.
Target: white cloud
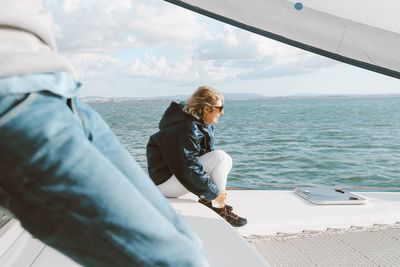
(92, 66)
(226, 44)
(103, 24)
(102, 6)
(162, 68)
(71, 5)
(218, 73)
(167, 24)
(243, 55)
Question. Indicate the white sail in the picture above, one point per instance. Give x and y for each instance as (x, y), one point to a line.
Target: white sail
(364, 33)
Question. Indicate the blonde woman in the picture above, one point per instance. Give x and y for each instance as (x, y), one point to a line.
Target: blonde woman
(181, 157)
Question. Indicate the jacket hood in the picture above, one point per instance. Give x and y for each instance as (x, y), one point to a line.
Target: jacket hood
(174, 114)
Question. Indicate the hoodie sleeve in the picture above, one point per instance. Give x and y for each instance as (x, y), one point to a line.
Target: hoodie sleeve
(186, 166)
(211, 132)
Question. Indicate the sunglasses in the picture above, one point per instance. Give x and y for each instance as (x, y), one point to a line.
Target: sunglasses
(220, 108)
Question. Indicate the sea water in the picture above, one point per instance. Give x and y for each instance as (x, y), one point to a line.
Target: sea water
(348, 142)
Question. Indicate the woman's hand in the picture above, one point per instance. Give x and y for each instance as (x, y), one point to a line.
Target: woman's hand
(220, 200)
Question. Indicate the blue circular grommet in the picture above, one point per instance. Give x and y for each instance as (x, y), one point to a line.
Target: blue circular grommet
(298, 6)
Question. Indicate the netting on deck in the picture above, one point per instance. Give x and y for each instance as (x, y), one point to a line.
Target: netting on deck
(378, 245)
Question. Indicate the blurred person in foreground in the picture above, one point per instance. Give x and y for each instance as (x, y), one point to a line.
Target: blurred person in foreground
(64, 174)
(181, 156)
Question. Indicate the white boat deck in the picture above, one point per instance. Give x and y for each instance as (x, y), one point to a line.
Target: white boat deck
(272, 211)
(268, 211)
(289, 231)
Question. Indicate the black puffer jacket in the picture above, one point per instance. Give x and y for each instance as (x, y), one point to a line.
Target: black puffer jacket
(176, 149)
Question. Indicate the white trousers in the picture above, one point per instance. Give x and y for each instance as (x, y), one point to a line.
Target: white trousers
(217, 164)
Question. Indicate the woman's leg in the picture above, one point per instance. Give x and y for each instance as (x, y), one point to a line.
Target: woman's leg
(67, 193)
(172, 188)
(217, 164)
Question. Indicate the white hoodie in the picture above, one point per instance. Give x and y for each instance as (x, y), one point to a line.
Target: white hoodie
(27, 43)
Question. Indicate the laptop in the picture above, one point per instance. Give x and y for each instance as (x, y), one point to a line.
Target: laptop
(330, 196)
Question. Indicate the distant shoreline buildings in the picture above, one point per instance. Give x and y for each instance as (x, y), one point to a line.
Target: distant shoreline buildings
(228, 96)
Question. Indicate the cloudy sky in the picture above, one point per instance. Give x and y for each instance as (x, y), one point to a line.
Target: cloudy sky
(146, 48)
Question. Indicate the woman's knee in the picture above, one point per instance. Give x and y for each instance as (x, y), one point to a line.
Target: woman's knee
(223, 156)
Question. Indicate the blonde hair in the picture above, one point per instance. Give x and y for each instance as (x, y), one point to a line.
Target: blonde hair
(204, 96)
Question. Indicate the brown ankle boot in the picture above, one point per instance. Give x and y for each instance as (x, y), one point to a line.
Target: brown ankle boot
(208, 204)
(231, 217)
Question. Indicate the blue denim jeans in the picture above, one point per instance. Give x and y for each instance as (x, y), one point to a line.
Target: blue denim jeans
(73, 186)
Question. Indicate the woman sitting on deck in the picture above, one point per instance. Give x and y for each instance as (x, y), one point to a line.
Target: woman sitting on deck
(181, 157)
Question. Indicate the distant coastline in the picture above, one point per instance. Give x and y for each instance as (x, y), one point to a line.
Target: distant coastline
(228, 96)
(100, 99)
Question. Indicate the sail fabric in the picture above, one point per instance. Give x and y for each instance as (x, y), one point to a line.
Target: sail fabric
(364, 33)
